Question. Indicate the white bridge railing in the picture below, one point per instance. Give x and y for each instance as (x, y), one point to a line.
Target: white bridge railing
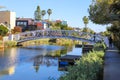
(70, 34)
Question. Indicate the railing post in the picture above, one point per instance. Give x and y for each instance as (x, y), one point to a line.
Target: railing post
(17, 37)
(43, 32)
(11, 37)
(69, 33)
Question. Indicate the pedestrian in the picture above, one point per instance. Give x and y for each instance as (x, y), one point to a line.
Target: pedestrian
(110, 42)
(94, 37)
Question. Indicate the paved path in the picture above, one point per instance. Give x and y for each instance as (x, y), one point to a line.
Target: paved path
(112, 64)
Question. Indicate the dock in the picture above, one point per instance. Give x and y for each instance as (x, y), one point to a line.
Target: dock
(87, 48)
(66, 61)
(69, 59)
(78, 45)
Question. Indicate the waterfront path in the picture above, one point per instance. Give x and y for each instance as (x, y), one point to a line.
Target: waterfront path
(112, 64)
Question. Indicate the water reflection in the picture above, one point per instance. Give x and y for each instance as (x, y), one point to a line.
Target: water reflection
(31, 63)
(8, 71)
(44, 60)
(8, 60)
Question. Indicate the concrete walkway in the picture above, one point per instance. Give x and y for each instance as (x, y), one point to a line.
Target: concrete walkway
(112, 64)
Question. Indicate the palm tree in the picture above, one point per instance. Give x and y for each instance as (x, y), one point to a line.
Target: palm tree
(49, 11)
(43, 14)
(85, 20)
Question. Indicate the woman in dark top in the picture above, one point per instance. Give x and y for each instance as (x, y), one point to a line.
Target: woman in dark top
(110, 42)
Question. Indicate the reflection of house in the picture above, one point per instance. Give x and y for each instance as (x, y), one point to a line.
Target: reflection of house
(28, 24)
(8, 71)
(8, 18)
(8, 61)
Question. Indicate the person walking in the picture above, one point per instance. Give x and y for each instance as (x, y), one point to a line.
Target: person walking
(94, 37)
(110, 42)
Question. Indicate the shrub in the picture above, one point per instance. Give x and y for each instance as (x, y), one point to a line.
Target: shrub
(99, 46)
(10, 43)
(87, 68)
(1, 42)
(3, 30)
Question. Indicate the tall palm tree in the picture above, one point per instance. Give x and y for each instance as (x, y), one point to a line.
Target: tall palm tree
(43, 14)
(49, 11)
(85, 20)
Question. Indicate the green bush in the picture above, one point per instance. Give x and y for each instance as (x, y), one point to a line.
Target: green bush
(99, 46)
(87, 68)
(1, 42)
(10, 43)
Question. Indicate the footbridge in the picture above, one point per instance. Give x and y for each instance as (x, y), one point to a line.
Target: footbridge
(67, 34)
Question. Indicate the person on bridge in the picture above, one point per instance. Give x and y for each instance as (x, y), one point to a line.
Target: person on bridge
(110, 42)
(94, 36)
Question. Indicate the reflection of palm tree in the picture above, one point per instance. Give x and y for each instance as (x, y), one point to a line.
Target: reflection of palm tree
(48, 61)
(36, 68)
(36, 64)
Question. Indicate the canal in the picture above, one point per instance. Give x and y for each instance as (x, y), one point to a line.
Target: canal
(33, 62)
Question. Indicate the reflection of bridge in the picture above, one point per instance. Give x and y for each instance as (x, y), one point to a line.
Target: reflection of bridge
(68, 34)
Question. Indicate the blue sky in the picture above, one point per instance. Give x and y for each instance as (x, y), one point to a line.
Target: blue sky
(70, 10)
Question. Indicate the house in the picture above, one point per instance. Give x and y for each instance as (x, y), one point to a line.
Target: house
(8, 18)
(29, 24)
(26, 24)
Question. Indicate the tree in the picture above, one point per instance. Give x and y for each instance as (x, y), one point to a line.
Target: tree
(43, 14)
(101, 11)
(17, 29)
(85, 20)
(115, 10)
(105, 12)
(37, 14)
(3, 30)
(49, 11)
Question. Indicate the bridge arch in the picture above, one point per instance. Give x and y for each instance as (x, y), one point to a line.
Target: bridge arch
(67, 34)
